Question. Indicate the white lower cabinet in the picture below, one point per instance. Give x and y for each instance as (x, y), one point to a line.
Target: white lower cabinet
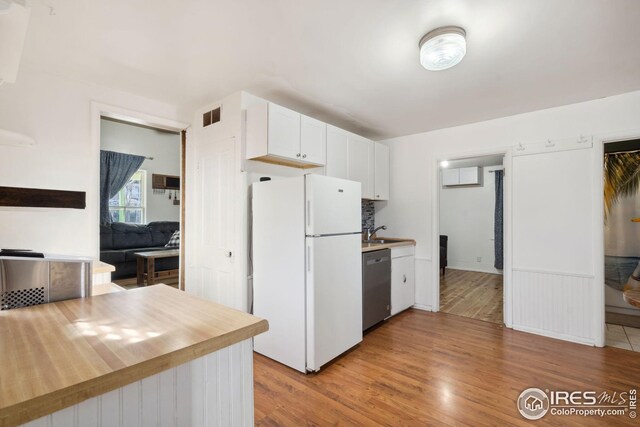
(403, 285)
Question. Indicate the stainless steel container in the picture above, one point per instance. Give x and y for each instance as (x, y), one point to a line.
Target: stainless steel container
(31, 281)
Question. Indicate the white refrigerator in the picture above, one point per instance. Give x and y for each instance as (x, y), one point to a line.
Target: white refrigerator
(307, 268)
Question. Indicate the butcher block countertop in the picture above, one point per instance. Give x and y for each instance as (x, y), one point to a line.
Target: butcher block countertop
(59, 354)
(393, 243)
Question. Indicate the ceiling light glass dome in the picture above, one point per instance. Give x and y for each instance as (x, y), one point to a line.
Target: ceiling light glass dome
(442, 48)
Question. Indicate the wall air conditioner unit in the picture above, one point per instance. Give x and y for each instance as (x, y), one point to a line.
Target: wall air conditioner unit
(14, 19)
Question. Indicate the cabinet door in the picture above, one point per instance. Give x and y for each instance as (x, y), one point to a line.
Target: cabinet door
(402, 283)
(450, 176)
(469, 175)
(284, 132)
(313, 140)
(381, 173)
(361, 163)
(337, 152)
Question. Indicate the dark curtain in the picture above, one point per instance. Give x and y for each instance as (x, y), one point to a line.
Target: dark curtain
(497, 221)
(115, 171)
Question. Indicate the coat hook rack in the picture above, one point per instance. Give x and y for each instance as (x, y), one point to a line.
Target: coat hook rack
(549, 143)
(520, 147)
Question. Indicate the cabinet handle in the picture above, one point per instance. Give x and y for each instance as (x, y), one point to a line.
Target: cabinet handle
(298, 155)
(378, 196)
(404, 278)
(304, 156)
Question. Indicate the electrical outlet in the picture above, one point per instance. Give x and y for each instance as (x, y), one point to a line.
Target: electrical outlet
(479, 259)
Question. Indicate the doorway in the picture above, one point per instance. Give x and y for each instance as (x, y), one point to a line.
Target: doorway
(471, 212)
(621, 165)
(144, 210)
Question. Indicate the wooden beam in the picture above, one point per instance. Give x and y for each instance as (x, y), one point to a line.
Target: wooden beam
(42, 198)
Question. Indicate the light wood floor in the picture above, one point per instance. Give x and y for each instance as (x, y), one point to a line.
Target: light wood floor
(472, 294)
(421, 368)
(132, 283)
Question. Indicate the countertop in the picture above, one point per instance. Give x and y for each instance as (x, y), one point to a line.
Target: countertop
(394, 243)
(102, 267)
(59, 354)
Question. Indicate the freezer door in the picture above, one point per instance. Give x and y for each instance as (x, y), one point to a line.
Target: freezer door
(334, 297)
(332, 205)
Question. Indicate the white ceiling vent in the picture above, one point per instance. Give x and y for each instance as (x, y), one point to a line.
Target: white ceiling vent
(14, 19)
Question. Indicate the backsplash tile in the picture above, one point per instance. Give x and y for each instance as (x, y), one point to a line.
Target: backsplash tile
(368, 214)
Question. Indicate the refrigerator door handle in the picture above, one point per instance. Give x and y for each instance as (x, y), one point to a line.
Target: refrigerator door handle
(308, 258)
(308, 213)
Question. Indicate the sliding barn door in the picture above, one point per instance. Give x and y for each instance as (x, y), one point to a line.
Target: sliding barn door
(554, 291)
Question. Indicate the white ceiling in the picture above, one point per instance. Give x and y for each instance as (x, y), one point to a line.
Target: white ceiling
(352, 63)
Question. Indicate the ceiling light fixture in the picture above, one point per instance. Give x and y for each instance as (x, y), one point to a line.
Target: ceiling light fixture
(442, 48)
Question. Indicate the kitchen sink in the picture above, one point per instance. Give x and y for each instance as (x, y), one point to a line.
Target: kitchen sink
(381, 241)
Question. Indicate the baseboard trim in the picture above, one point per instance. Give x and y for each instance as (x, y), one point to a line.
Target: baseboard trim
(558, 336)
(423, 307)
(476, 270)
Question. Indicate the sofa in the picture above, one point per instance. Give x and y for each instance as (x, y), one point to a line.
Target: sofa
(120, 241)
(444, 241)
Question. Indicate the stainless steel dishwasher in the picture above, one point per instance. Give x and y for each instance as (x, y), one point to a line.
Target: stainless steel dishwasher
(376, 287)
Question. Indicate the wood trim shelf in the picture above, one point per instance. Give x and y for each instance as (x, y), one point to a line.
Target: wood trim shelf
(42, 198)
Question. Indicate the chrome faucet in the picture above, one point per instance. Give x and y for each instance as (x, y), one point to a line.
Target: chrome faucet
(371, 231)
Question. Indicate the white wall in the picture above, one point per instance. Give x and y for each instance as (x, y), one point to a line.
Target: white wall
(57, 113)
(163, 146)
(409, 212)
(467, 216)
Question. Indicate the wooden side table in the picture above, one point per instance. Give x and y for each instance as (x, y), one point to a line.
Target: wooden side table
(150, 258)
(632, 297)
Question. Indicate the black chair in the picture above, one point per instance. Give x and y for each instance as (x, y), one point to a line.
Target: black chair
(443, 252)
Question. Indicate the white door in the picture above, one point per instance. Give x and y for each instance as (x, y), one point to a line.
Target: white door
(284, 132)
(337, 152)
(334, 297)
(313, 140)
(332, 205)
(381, 181)
(212, 227)
(554, 289)
(361, 163)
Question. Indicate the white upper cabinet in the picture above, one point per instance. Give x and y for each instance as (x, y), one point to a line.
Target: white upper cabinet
(361, 163)
(275, 134)
(283, 132)
(450, 176)
(313, 140)
(279, 135)
(381, 172)
(337, 152)
(470, 176)
(461, 176)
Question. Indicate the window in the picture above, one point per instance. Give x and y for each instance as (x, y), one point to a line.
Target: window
(129, 205)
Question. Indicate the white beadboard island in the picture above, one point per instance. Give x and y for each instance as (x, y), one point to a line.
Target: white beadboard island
(152, 356)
